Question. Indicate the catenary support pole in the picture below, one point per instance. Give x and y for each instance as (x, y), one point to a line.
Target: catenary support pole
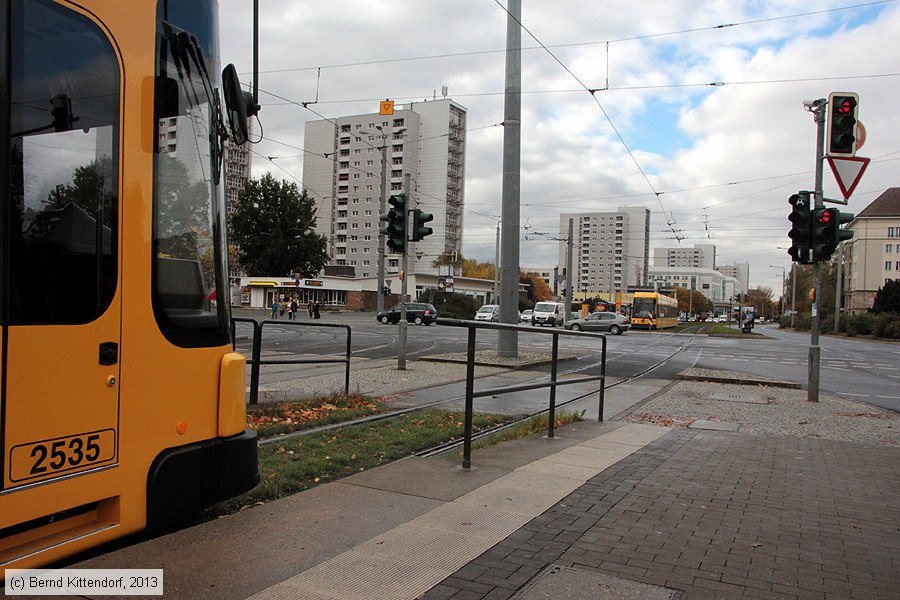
(508, 341)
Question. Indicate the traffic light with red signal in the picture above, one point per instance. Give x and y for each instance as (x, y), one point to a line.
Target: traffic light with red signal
(840, 133)
(827, 232)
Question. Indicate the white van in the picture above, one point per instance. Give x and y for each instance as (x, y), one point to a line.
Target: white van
(549, 313)
(488, 312)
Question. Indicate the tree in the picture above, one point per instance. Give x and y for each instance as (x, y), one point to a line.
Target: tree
(538, 290)
(272, 226)
(692, 301)
(887, 299)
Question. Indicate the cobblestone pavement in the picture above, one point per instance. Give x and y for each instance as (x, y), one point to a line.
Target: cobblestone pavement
(717, 515)
(772, 411)
(801, 502)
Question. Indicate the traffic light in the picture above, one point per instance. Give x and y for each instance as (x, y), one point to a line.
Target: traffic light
(62, 112)
(840, 135)
(801, 230)
(823, 233)
(827, 232)
(395, 223)
(419, 229)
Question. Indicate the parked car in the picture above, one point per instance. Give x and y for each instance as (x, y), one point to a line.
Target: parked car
(488, 312)
(601, 321)
(525, 316)
(419, 313)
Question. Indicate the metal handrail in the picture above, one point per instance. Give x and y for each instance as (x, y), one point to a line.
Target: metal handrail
(255, 361)
(471, 394)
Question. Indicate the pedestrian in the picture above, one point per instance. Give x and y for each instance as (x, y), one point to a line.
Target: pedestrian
(281, 308)
(316, 314)
(290, 310)
(274, 308)
(294, 308)
(309, 309)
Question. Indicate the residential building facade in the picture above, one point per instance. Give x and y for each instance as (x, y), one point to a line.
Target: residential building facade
(740, 271)
(701, 256)
(611, 250)
(872, 256)
(342, 170)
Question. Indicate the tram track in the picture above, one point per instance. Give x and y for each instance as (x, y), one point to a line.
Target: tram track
(493, 430)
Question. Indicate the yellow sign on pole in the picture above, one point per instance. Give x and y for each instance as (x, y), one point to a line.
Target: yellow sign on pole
(386, 107)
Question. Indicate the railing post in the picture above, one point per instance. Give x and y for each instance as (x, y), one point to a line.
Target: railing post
(602, 381)
(254, 366)
(347, 370)
(551, 419)
(470, 383)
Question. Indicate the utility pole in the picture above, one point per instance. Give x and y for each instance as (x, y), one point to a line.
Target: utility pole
(814, 349)
(381, 210)
(497, 267)
(404, 263)
(508, 341)
(569, 248)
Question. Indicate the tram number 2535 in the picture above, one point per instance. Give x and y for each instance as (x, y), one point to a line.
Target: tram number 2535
(60, 455)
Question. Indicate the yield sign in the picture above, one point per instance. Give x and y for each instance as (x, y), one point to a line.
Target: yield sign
(848, 171)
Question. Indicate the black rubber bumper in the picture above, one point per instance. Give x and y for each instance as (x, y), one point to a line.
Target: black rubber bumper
(183, 481)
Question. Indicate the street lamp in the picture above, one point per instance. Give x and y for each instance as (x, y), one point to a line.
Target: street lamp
(783, 279)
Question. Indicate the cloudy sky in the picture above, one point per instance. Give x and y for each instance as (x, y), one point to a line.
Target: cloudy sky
(698, 117)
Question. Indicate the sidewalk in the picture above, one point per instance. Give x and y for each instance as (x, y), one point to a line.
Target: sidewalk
(654, 506)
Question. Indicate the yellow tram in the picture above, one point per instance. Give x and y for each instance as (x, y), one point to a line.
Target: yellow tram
(663, 308)
(122, 404)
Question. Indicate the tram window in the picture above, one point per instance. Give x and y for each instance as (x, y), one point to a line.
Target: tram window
(63, 151)
(189, 273)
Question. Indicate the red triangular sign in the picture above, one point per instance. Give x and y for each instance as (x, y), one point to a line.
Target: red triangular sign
(848, 171)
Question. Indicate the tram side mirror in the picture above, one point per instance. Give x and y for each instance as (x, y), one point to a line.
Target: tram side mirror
(239, 104)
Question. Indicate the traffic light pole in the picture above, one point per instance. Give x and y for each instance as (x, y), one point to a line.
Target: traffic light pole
(814, 350)
(404, 263)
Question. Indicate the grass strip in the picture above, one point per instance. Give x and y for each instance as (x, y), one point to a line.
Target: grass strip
(279, 418)
(301, 463)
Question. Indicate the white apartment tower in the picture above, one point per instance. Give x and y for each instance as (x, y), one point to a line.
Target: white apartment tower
(342, 170)
(701, 256)
(611, 250)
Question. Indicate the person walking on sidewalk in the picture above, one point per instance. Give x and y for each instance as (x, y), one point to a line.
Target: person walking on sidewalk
(274, 308)
(316, 314)
(294, 308)
(309, 309)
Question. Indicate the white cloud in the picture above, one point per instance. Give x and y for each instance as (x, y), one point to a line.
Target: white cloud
(752, 135)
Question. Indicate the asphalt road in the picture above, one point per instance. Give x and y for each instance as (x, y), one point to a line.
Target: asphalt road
(861, 370)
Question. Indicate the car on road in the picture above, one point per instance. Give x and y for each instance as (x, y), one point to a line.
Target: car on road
(525, 316)
(488, 312)
(548, 313)
(420, 313)
(601, 321)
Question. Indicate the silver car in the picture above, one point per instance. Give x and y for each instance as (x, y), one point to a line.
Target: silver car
(601, 321)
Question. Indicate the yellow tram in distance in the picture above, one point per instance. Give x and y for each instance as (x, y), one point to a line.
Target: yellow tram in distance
(663, 308)
(122, 403)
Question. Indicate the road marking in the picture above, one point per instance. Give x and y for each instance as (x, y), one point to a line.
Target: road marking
(856, 395)
(889, 397)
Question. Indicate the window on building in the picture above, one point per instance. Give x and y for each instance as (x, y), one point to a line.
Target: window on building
(887, 265)
(889, 248)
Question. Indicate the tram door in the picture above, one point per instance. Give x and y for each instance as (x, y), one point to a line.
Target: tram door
(60, 254)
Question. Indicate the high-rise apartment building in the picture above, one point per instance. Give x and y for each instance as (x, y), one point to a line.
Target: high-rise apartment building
(741, 272)
(342, 169)
(611, 250)
(701, 256)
